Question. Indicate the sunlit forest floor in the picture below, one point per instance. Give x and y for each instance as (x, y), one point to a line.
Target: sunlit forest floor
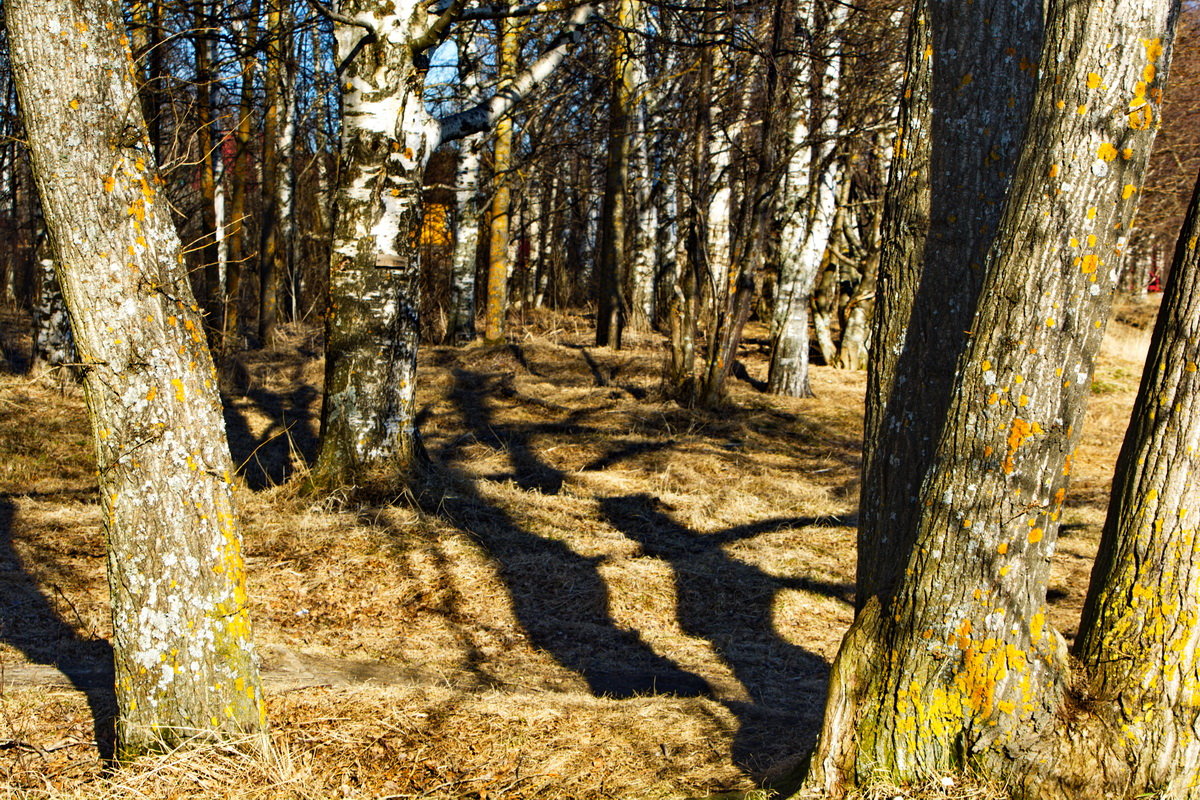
(607, 595)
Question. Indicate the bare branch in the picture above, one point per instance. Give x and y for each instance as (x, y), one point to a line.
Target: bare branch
(483, 115)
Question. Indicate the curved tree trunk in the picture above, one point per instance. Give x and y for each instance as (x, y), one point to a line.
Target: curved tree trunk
(936, 234)
(181, 636)
(967, 671)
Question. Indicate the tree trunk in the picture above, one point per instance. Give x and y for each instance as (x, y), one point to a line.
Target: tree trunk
(952, 662)
(203, 45)
(496, 309)
(369, 443)
(235, 232)
(53, 344)
(184, 664)
(936, 235)
(271, 256)
(612, 307)
(460, 327)
(1139, 635)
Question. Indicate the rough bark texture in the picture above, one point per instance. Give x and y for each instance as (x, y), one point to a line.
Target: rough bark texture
(968, 91)
(368, 438)
(181, 637)
(967, 670)
(1141, 627)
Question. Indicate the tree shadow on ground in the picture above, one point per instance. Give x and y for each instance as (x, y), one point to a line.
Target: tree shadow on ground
(30, 623)
(562, 600)
(288, 441)
(729, 603)
(559, 596)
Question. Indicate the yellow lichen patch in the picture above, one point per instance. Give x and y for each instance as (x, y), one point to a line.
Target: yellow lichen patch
(1089, 263)
(178, 384)
(1073, 242)
(1106, 152)
(1036, 625)
(1035, 535)
(1081, 110)
(1054, 170)
(1093, 80)
(1127, 153)
(1051, 322)
(1091, 212)
(1002, 548)
(1128, 191)
(153, 393)
(1017, 434)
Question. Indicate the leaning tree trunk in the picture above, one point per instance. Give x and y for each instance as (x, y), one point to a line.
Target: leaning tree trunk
(1140, 633)
(368, 438)
(181, 636)
(957, 664)
(936, 233)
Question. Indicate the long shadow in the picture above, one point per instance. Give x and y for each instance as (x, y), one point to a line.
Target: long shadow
(29, 622)
(559, 596)
(267, 459)
(562, 601)
(729, 603)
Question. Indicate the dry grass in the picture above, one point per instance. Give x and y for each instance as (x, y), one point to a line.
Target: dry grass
(610, 596)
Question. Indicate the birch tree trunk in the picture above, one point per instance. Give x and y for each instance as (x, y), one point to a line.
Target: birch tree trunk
(460, 325)
(185, 668)
(951, 661)
(808, 205)
(368, 438)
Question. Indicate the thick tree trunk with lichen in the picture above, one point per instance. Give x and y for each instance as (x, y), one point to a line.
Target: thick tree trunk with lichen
(368, 438)
(184, 665)
(962, 123)
(966, 670)
(1140, 633)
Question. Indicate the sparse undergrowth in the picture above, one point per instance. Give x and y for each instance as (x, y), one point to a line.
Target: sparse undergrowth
(596, 594)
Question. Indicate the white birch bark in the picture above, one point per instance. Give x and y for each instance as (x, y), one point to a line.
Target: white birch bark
(368, 438)
(808, 207)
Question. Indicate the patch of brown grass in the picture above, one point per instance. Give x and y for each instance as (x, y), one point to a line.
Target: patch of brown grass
(600, 594)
